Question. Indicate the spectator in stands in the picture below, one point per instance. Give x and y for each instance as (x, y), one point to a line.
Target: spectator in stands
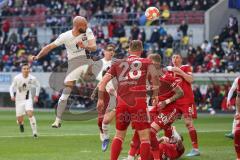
(43, 100)
(13, 38)
(206, 46)
(154, 36)
(20, 29)
(5, 29)
(32, 32)
(142, 35)
(135, 32)
(184, 28)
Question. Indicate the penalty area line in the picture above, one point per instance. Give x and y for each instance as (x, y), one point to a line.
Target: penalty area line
(87, 134)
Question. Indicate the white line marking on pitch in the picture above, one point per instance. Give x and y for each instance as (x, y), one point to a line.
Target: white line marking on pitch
(82, 134)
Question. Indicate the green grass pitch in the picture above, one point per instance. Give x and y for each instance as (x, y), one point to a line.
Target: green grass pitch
(80, 140)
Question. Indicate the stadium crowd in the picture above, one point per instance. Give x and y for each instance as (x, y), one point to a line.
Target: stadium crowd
(87, 8)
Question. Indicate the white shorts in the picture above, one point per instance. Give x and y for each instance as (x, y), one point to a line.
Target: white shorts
(76, 68)
(23, 106)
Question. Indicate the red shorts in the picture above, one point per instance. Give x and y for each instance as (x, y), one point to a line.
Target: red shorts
(170, 151)
(106, 101)
(137, 115)
(188, 110)
(153, 114)
(167, 116)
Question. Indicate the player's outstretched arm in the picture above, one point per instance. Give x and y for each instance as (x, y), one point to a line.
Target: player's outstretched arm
(44, 51)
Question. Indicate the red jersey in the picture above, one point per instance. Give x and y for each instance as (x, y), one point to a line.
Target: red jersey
(131, 74)
(167, 84)
(188, 97)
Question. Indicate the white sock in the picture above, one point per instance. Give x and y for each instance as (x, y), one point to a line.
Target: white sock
(175, 133)
(33, 124)
(130, 157)
(58, 120)
(105, 131)
(234, 125)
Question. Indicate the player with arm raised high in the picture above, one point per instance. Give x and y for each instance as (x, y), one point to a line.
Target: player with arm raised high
(229, 97)
(78, 42)
(20, 92)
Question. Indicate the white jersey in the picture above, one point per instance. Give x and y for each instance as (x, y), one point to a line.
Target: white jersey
(98, 68)
(235, 87)
(71, 41)
(23, 87)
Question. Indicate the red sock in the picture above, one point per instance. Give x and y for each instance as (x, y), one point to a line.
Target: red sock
(135, 144)
(168, 131)
(154, 144)
(193, 136)
(161, 150)
(116, 148)
(100, 120)
(237, 140)
(145, 149)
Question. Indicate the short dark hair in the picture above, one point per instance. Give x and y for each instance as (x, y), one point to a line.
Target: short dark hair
(24, 64)
(177, 54)
(111, 45)
(155, 57)
(136, 46)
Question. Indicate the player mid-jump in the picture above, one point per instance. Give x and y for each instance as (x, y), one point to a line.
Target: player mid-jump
(78, 41)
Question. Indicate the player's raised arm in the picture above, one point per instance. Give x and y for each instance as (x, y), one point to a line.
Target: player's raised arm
(12, 89)
(44, 51)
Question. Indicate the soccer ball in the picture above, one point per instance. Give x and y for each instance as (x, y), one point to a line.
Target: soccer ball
(152, 13)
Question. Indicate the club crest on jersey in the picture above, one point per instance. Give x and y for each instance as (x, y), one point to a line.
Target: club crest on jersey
(84, 38)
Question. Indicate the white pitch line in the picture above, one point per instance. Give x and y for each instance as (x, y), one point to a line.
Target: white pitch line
(82, 134)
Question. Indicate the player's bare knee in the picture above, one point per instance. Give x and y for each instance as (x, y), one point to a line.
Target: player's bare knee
(66, 93)
(106, 121)
(20, 120)
(29, 114)
(144, 134)
(120, 134)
